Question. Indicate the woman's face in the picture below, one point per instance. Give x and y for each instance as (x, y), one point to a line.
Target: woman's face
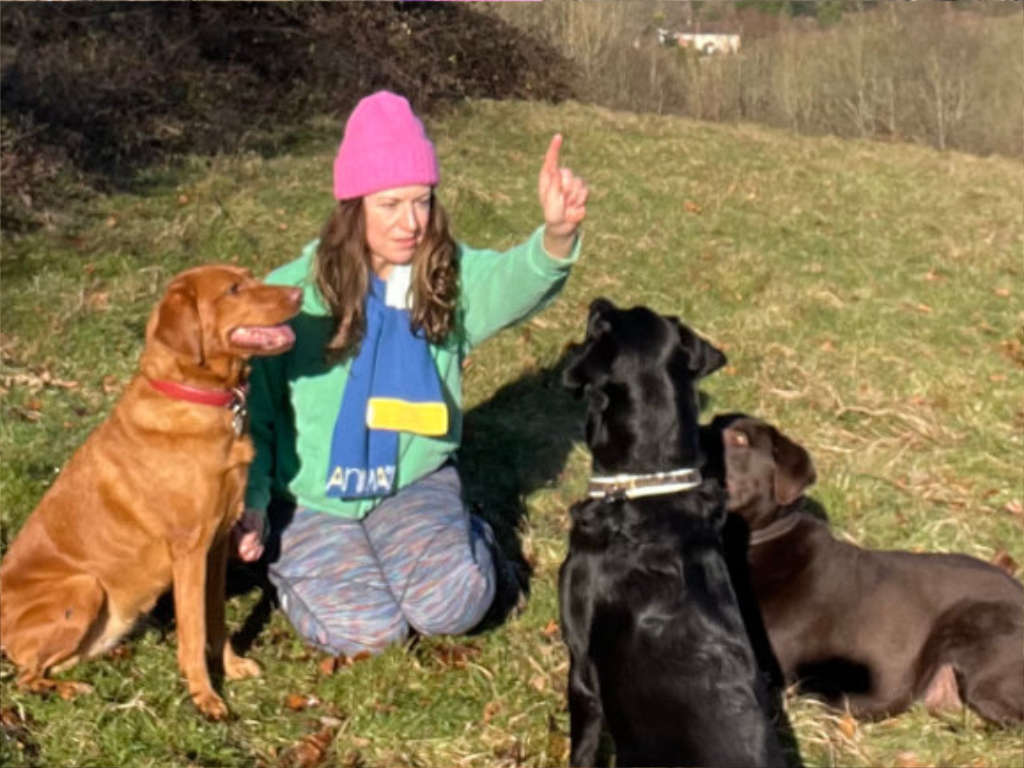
(396, 222)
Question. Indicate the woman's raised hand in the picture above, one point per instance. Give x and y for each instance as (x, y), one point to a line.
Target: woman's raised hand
(563, 197)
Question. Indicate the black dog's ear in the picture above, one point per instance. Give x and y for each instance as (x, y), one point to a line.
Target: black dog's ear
(573, 378)
(794, 470)
(702, 358)
(585, 364)
(599, 306)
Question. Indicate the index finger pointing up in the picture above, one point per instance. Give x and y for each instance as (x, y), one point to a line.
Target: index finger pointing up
(551, 156)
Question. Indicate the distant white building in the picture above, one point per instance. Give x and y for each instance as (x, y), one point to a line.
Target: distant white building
(707, 43)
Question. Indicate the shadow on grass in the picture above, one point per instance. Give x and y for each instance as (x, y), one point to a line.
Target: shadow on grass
(514, 444)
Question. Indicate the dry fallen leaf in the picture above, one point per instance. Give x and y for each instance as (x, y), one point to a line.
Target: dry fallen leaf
(10, 717)
(558, 744)
(1013, 350)
(14, 728)
(384, 708)
(907, 760)
(100, 300)
(848, 726)
(550, 629)
(691, 207)
(455, 655)
(311, 751)
(297, 702)
(32, 410)
(121, 653)
(1002, 560)
(490, 710)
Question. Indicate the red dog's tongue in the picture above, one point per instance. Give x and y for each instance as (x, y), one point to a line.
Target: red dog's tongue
(263, 338)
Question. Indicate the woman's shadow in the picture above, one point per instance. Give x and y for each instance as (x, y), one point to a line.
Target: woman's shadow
(513, 444)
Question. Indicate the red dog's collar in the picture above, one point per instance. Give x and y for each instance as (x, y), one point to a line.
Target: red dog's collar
(221, 398)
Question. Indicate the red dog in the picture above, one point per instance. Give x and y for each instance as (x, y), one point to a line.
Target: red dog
(148, 500)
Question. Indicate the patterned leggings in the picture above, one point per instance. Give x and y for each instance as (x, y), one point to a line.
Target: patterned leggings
(419, 560)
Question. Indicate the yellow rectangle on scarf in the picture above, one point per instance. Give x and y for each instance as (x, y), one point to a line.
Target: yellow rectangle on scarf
(401, 416)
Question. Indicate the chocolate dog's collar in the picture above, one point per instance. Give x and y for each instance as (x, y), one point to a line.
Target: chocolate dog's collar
(633, 486)
(780, 527)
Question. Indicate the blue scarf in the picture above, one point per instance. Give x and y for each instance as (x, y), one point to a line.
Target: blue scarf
(393, 387)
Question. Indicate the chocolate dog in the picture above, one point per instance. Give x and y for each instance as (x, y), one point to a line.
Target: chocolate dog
(875, 629)
(657, 644)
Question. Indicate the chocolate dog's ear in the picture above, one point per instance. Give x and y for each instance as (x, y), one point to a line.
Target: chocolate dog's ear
(702, 357)
(178, 324)
(794, 470)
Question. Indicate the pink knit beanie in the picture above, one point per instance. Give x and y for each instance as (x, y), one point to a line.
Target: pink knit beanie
(384, 146)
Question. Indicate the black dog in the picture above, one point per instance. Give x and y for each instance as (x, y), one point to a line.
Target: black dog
(877, 630)
(658, 649)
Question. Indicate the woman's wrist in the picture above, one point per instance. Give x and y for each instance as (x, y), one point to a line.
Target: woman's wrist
(559, 245)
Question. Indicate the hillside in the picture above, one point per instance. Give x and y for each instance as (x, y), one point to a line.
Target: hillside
(868, 296)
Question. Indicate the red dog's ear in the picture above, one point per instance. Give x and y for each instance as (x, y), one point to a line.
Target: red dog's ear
(178, 323)
(794, 470)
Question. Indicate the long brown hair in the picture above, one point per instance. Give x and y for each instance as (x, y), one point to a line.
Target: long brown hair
(343, 266)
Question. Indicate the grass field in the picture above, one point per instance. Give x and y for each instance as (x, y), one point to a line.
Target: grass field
(869, 299)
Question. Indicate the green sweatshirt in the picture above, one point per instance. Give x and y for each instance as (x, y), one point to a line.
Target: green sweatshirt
(294, 398)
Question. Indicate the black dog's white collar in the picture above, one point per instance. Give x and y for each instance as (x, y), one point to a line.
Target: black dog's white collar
(633, 486)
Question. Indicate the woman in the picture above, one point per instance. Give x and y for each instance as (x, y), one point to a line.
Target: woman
(356, 427)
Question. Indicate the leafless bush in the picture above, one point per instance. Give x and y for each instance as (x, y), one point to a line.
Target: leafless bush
(923, 72)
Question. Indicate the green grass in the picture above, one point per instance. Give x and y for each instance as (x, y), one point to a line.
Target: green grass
(869, 299)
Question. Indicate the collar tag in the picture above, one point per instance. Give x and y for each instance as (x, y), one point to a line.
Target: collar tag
(239, 411)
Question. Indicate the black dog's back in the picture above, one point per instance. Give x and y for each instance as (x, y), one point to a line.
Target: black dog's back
(664, 642)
